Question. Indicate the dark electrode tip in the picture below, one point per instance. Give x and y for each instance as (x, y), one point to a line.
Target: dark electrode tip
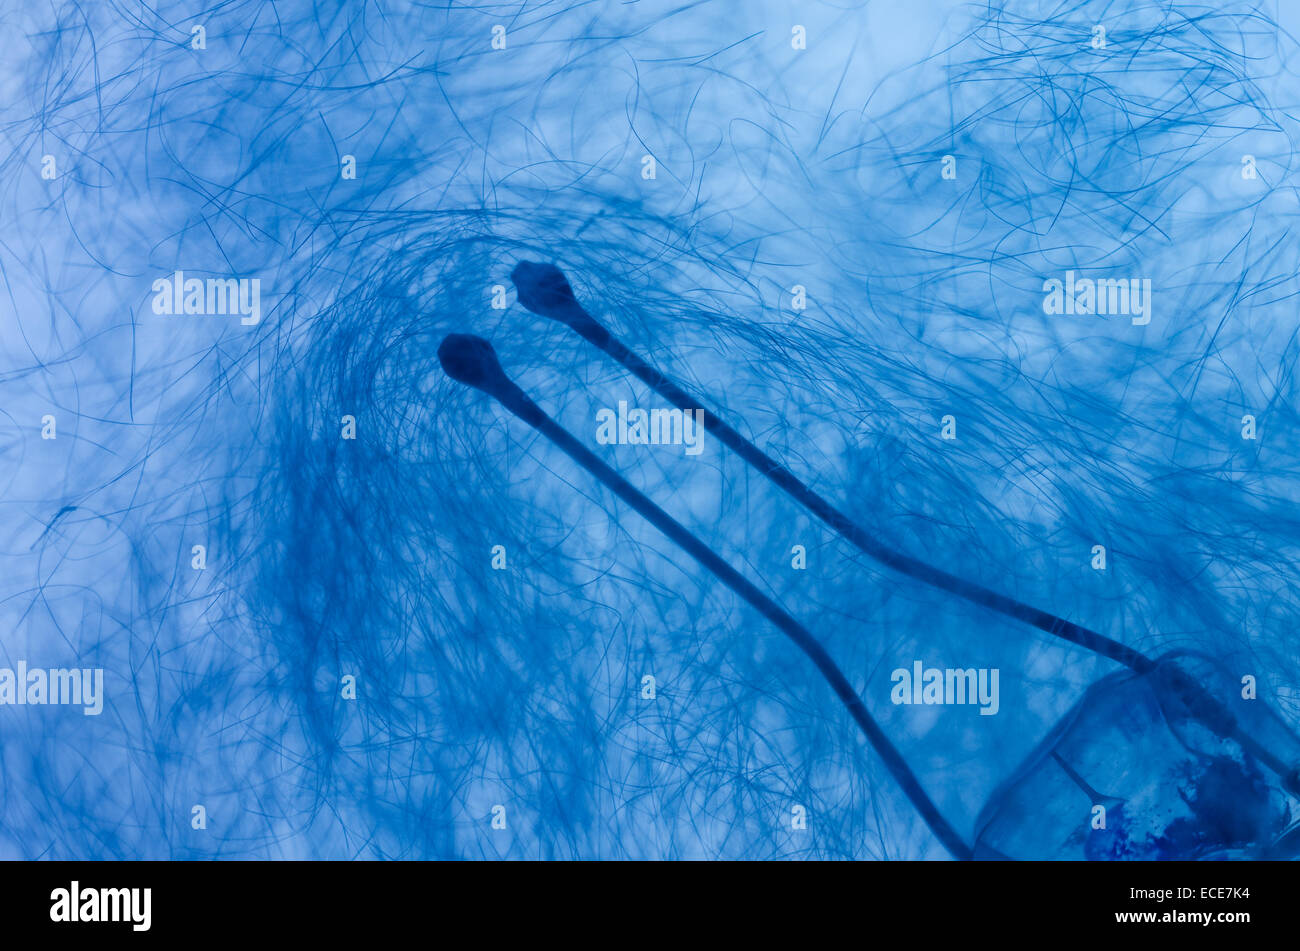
(543, 289)
(472, 360)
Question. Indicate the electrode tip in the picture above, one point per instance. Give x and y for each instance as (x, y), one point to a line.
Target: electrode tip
(471, 360)
(543, 288)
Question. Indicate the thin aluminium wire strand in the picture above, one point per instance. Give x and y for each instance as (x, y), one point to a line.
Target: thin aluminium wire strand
(472, 361)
